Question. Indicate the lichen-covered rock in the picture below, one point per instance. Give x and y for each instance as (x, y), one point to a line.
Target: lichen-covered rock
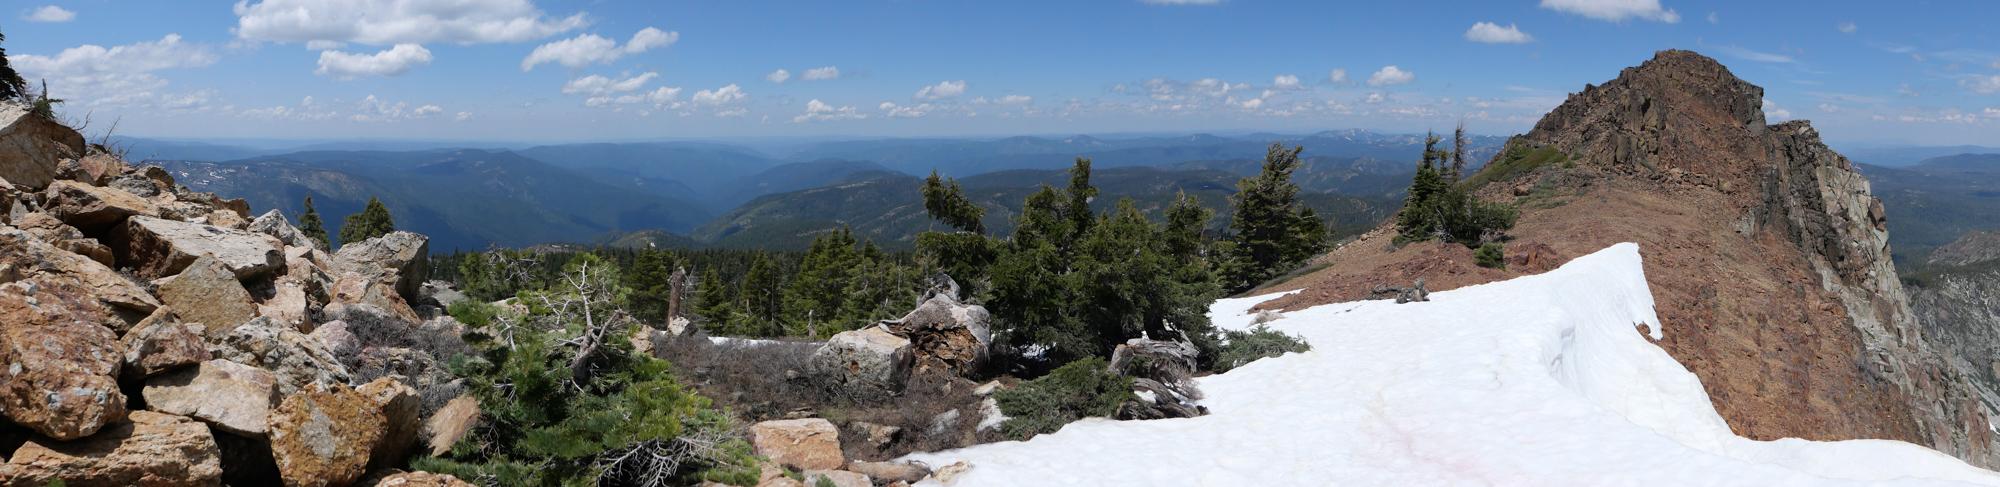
(60, 360)
(838, 478)
(297, 359)
(865, 361)
(323, 436)
(886, 472)
(376, 289)
(206, 292)
(804, 444)
(450, 423)
(234, 397)
(155, 247)
(161, 343)
(290, 303)
(405, 253)
(22, 256)
(400, 415)
(273, 223)
(151, 449)
(338, 341)
(417, 479)
(32, 146)
(93, 208)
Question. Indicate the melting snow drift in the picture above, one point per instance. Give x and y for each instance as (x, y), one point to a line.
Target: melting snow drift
(1540, 380)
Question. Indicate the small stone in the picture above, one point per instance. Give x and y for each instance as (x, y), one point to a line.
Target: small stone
(805, 444)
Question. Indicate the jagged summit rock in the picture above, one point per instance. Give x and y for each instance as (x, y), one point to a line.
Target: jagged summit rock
(32, 147)
(1766, 252)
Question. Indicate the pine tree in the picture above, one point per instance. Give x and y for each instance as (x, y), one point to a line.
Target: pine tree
(12, 87)
(310, 224)
(373, 221)
(714, 302)
(651, 281)
(946, 202)
(1080, 194)
(1458, 143)
(819, 289)
(965, 254)
(763, 298)
(1266, 221)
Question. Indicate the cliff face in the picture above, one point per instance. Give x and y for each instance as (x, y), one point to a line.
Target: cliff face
(1956, 301)
(1765, 250)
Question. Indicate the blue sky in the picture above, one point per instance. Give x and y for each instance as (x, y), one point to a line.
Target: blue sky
(522, 70)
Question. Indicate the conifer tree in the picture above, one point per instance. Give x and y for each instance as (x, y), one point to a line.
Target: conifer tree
(1458, 143)
(946, 201)
(12, 87)
(965, 254)
(714, 302)
(373, 221)
(819, 289)
(1080, 194)
(310, 224)
(651, 281)
(763, 298)
(1267, 221)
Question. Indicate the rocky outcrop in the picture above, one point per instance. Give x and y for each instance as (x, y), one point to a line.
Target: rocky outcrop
(837, 478)
(804, 444)
(408, 254)
(949, 336)
(401, 422)
(157, 247)
(150, 450)
(209, 294)
(1973, 248)
(324, 436)
(32, 146)
(61, 360)
(886, 472)
(1956, 300)
(1162, 378)
(868, 361)
(273, 223)
(54, 232)
(234, 397)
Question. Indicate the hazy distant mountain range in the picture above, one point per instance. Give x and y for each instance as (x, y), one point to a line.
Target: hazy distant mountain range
(1934, 201)
(707, 193)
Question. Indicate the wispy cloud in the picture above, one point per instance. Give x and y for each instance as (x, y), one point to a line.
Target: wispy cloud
(1491, 33)
(1615, 10)
(1756, 56)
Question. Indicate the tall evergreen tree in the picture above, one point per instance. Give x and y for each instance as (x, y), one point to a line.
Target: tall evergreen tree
(373, 221)
(310, 224)
(946, 201)
(763, 298)
(1080, 195)
(819, 289)
(1458, 143)
(965, 254)
(12, 87)
(651, 281)
(1266, 223)
(714, 302)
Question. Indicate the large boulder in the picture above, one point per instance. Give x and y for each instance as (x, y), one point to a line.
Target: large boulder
(866, 361)
(160, 343)
(887, 472)
(402, 420)
(1163, 378)
(22, 256)
(155, 247)
(439, 293)
(61, 360)
(234, 397)
(948, 335)
(32, 146)
(206, 292)
(837, 478)
(406, 253)
(324, 436)
(804, 444)
(376, 289)
(152, 449)
(298, 359)
(96, 169)
(273, 223)
(450, 423)
(290, 303)
(93, 208)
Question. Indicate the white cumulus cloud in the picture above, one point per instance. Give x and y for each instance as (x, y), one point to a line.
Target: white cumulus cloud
(1615, 10)
(388, 22)
(393, 61)
(720, 96)
(820, 111)
(1285, 82)
(587, 49)
(944, 89)
(1390, 76)
(597, 85)
(1181, 2)
(1491, 33)
(1015, 100)
(822, 73)
(50, 13)
(1337, 76)
(91, 75)
(1847, 27)
(1985, 85)
(778, 76)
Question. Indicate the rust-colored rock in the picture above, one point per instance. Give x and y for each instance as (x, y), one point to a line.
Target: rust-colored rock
(150, 450)
(157, 247)
(60, 360)
(804, 444)
(93, 208)
(32, 146)
(161, 343)
(22, 256)
(323, 436)
(400, 412)
(236, 398)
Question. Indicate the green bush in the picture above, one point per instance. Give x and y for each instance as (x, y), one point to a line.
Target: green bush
(473, 313)
(1077, 390)
(1490, 255)
(1260, 342)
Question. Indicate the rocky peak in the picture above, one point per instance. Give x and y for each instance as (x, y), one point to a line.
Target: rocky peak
(1679, 110)
(1972, 248)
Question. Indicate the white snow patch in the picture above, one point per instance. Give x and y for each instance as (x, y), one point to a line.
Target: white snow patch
(1540, 380)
